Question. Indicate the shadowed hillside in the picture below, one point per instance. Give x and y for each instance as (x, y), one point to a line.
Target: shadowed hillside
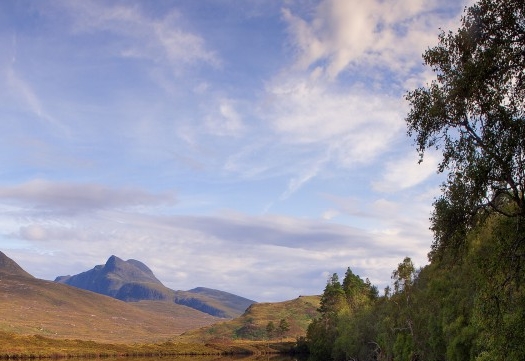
(132, 281)
(129, 280)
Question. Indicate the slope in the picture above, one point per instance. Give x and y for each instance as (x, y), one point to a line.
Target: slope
(298, 313)
(8, 266)
(32, 306)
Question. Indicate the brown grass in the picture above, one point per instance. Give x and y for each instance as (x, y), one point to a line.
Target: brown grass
(30, 306)
(298, 312)
(14, 346)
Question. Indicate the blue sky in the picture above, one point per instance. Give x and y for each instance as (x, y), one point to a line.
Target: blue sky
(250, 146)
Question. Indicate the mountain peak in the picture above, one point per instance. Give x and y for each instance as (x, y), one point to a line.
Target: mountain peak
(132, 280)
(7, 265)
(125, 280)
(113, 263)
(130, 270)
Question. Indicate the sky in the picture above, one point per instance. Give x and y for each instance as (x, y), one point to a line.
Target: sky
(254, 147)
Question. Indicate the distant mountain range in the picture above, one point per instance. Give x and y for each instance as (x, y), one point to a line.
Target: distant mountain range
(133, 281)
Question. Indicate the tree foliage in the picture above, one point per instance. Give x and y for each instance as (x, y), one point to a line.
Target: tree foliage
(469, 302)
(474, 111)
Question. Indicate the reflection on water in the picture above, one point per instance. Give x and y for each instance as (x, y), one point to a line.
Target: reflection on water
(211, 358)
(214, 358)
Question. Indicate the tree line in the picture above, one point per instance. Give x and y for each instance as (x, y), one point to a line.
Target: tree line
(468, 303)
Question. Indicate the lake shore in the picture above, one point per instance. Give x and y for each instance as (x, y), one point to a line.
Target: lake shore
(14, 346)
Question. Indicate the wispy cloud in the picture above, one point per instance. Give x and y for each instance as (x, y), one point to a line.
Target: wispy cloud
(157, 39)
(225, 120)
(22, 92)
(344, 34)
(353, 126)
(406, 172)
(307, 173)
(64, 197)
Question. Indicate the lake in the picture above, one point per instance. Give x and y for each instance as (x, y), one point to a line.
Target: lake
(212, 358)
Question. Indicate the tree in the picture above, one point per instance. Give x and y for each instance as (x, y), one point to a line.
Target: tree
(270, 329)
(333, 297)
(358, 292)
(283, 327)
(322, 332)
(474, 111)
(403, 278)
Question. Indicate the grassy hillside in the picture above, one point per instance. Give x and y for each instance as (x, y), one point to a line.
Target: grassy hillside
(32, 306)
(252, 324)
(40, 317)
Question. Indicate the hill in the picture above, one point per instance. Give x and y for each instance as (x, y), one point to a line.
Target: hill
(8, 266)
(132, 281)
(214, 302)
(252, 325)
(32, 306)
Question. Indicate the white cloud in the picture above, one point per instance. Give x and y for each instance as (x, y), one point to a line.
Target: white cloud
(329, 119)
(226, 120)
(330, 214)
(310, 171)
(406, 172)
(353, 125)
(343, 34)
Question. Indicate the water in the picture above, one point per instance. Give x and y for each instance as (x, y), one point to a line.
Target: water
(212, 358)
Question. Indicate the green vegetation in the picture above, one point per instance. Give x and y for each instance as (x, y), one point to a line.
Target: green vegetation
(469, 302)
(262, 321)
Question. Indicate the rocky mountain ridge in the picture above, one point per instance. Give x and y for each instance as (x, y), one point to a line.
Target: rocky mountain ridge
(133, 281)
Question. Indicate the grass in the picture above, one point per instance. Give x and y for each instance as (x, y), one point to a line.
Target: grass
(30, 306)
(252, 324)
(43, 319)
(13, 346)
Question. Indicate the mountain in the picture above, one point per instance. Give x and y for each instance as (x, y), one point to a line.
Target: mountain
(129, 280)
(133, 281)
(32, 306)
(297, 313)
(8, 266)
(215, 302)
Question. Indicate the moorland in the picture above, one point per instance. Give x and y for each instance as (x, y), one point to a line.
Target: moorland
(41, 318)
